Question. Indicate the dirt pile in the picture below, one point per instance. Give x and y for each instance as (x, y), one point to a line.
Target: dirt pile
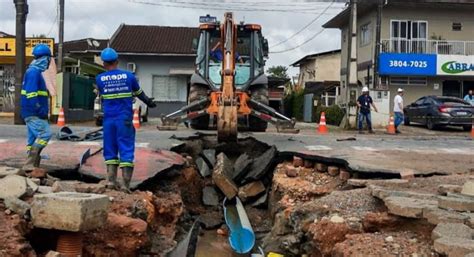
(13, 232)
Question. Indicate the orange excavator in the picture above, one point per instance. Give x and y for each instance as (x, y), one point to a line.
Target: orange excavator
(229, 90)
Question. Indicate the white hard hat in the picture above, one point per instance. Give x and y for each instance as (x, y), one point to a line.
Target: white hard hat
(400, 90)
(365, 89)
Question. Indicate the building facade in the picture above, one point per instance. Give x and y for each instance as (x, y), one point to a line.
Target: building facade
(162, 59)
(426, 47)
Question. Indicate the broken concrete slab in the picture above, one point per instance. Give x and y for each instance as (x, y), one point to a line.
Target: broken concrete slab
(456, 203)
(454, 247)
(242, 166)
(452, 230)
(210, 196)
(222, 176)
(69, 211)
(45, 190)
(13, 186)
(407, 174)
(376, 182)
(468, 188)
(52, 254)
(203, 167)
(209, 156)
(212, 219)
(261, 165)
(18, 206)
(6, 170)
(32, 186)
(436, 216)
(382, 193)
(251, 190)
(408, 207)
(445, 189)
(262, 200)
(77, 186)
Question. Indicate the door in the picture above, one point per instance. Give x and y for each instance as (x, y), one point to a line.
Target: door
(308, 107)
(452, 88)
(408, 36)
(414, 110)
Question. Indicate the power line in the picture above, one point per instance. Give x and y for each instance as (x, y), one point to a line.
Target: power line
(217, 7)
(306, 26)
(55, 21)
(300, 45)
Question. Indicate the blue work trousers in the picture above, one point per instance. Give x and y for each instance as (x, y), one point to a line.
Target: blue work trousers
(398, 118)
(38, 132)
(367, 117)
(119, 141)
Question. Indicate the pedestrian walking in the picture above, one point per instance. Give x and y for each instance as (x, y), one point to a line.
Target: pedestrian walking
(398, 109)
(117, 89)
(469, 97)
(364, 102)
(34, 107)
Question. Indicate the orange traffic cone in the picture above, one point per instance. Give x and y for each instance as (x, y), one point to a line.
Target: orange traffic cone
(61, 119)
(136, 119)
(391, 127)
(322, 128)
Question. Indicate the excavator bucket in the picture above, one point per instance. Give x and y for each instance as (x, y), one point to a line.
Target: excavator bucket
(227, 124)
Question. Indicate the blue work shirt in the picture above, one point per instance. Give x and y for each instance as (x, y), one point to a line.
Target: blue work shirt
(217, 54)
(470, 99)
(34, 95)
(117, 89)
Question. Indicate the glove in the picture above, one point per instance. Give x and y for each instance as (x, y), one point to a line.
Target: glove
(150, 103)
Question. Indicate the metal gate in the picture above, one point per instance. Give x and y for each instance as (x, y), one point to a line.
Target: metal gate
(7, 88)
(308, 108)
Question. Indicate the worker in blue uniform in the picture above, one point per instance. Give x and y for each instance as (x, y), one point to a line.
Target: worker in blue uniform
(117, 89)
(34, 107)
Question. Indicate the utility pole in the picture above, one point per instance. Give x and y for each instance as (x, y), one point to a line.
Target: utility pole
(21, 7)
(378, 43)
(61, 36)
(351, 69)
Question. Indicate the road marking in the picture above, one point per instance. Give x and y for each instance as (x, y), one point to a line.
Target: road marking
(142, 145)
(3, 140)
(457, 150)
(364, 148)
(318, 148)
(89, 143)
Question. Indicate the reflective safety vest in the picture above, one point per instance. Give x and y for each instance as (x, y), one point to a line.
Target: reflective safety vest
(34, 95)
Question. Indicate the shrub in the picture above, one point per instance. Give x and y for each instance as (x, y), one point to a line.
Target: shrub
(334, 114)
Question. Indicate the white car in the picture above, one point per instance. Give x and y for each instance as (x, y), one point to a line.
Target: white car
(137, 104)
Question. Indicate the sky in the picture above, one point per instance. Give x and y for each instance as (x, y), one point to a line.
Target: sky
(99, 19)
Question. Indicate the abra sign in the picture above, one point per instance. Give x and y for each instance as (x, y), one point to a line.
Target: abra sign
(455, 65)
(8, 47)
(407, 64)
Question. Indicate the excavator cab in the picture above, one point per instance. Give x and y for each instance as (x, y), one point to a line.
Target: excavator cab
(229, 90)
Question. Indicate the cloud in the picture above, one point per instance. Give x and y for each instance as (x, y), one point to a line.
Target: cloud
(100, 19)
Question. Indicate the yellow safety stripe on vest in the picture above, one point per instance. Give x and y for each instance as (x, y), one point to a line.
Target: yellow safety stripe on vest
(139, 91)
(28, 147)
(41, 142)
(126, 164)
(112, 162)
(116, 96)
(34, 94)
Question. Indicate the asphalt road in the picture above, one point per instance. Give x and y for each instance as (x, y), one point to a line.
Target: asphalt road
(423, 154)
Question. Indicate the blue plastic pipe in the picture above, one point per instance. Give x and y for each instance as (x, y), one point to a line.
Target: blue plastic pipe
(241, 236)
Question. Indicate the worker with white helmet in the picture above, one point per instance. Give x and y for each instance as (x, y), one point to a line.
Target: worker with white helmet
(398, 109)
(364, 102)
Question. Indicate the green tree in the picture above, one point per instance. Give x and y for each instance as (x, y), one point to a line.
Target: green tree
(279, 71)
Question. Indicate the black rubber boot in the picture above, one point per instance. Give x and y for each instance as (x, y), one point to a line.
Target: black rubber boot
(38, 158)
(31, 161)
(111, 176)
(127, 173)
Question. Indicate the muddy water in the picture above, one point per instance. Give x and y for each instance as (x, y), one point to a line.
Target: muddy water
(210, 244)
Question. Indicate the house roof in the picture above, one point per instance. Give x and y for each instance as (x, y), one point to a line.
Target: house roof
(155, 40)
(84, 45)
(297, 63)
(365, 6)
(318, 88)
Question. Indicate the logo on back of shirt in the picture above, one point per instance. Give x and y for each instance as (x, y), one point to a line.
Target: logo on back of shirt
(113, 77)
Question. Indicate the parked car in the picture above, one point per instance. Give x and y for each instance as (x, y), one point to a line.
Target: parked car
(439, 111)
(137, 104)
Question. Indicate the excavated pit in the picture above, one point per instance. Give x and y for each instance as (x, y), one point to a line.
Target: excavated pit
(306, 206)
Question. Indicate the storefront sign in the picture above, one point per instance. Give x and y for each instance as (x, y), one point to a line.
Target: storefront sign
(407, 64)
(455, 65)
(8, 48)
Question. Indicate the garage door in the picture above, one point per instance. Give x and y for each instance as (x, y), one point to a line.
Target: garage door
(169, 88)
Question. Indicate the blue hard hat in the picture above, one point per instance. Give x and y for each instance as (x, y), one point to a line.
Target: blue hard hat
(41, 50)
(108, 55)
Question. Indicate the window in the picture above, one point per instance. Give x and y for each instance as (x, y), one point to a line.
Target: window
(403, 81)
(408, 36)
(365, 34)
(457, 26)
(168, 88)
